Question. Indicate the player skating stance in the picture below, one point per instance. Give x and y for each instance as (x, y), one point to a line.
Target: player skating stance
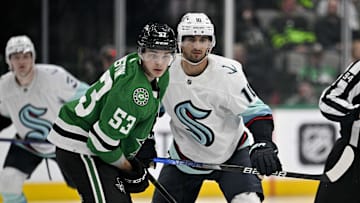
(98, 136)
(209, 100)
(30, 97)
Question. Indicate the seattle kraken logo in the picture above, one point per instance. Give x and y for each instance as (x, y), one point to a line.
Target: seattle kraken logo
(30, 117)
(188, 114)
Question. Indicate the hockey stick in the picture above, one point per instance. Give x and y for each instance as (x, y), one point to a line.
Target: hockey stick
(241, 169)
(161, 188)
(23, 141)
(342, 165)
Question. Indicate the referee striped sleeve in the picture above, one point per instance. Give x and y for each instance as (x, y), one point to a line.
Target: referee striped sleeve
(337, 100)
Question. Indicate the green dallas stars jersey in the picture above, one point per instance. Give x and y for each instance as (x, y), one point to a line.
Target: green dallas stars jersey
(114, 116)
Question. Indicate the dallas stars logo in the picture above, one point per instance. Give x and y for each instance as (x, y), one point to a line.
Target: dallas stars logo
(141, 96)
(119, 185)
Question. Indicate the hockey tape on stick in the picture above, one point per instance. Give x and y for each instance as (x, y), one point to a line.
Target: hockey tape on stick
(161, 188)
(241, 169)
(23, 141)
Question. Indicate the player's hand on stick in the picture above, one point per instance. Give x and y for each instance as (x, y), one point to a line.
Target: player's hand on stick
(135, 180)
(264, 157)
(147, 152)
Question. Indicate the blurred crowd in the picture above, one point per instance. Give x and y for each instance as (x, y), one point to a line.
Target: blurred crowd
(290, 49)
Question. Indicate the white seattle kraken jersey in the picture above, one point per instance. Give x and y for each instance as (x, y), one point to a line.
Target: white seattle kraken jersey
(33, 109)
(205, 111)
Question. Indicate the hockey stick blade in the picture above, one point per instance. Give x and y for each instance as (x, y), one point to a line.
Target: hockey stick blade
(241, 169)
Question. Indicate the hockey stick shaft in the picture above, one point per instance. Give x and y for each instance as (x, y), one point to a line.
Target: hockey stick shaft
(23, 141)
(241, 169)
(161, 188)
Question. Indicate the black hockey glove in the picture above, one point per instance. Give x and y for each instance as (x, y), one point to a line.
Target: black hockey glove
(263, 155)
(147, 152)
(136, 180)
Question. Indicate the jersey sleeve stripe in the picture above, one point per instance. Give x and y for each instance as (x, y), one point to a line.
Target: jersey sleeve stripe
(106, 138)
(71, 128)
(99, 143)
(68, 134)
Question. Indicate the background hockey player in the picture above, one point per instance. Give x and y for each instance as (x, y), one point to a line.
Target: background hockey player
(30, 98)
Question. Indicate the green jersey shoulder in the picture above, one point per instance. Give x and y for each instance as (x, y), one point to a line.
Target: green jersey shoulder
(121, 107)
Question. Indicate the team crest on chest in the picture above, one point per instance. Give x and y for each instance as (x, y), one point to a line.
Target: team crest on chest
(141, 96)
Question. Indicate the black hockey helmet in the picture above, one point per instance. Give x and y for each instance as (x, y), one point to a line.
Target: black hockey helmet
(157, 36)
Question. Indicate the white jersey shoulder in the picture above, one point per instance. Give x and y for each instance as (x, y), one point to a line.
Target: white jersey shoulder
(34, 108)
(204, 109)
(222, 75)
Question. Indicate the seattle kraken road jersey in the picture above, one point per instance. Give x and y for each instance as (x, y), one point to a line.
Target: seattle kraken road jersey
(115, 115)
(33, 109)
(205, 110)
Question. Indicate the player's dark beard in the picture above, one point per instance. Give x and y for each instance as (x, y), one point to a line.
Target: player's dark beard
(196, 60)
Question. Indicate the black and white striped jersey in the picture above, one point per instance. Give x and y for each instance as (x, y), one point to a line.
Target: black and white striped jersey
(343, 96)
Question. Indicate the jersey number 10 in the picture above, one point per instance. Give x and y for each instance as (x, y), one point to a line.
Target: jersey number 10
(249, 93)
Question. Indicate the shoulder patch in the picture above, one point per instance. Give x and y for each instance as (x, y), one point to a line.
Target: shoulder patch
(141, 96)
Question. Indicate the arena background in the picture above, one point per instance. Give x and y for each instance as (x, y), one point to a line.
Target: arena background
(73, 33)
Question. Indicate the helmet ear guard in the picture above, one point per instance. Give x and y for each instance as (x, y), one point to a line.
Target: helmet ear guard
(196, 24)
(19, 44)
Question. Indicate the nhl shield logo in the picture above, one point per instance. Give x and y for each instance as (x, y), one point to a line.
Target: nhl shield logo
(141, 96)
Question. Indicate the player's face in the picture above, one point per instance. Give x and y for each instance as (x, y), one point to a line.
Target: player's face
(22, 64)
(156, 62)
(195, 48)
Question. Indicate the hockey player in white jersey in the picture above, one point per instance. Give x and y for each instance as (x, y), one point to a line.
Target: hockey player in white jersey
(209, 100)
(30, 97)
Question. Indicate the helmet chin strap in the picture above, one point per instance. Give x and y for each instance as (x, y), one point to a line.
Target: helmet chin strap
(195, 63)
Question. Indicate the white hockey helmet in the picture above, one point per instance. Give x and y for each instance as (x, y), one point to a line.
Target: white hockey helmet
(19, 44)
(196, 24)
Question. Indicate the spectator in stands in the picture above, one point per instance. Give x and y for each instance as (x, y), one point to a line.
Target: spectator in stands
(253, 43)
(107, 57)
(322, 9)
(291, 29)
(355, 50)
(259, 73)
(328, 27)
(291, 35)
(94, 63)
(304, 96)
(248, 29)
(318, 72)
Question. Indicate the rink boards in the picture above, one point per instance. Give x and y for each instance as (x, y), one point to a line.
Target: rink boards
(303, 136)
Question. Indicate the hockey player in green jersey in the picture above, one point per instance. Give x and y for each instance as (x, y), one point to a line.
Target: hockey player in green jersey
(98, 136)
